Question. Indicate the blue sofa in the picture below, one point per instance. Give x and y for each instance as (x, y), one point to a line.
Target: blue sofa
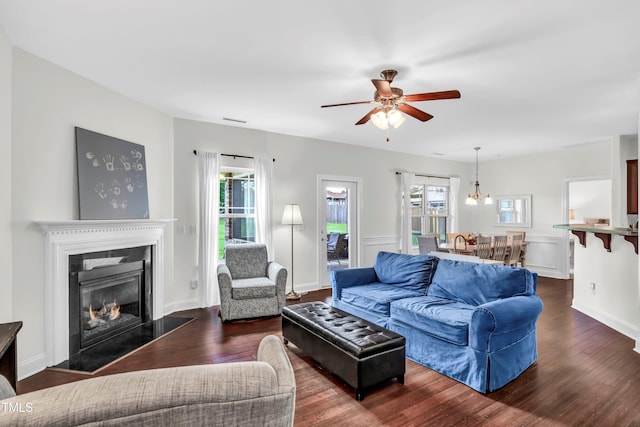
(475, 323)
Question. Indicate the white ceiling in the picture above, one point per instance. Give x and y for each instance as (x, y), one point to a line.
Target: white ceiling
(534, 75)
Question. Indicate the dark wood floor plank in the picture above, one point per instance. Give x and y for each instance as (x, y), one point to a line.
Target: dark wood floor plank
(586, 374)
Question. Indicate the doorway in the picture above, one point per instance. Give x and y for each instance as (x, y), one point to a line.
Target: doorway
(338, 222)
(584, 200)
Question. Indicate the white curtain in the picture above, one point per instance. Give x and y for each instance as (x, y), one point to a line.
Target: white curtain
(209, 195)
(405, 233)
(264, 171)
(454, 189)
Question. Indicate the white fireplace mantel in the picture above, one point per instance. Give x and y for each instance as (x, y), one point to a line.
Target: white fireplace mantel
(65, 238)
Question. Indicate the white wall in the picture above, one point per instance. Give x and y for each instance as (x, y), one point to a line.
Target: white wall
(6, 302)
(48, 102)
(41, 103)
(614, 301)
(541, 175)
(546, 177)
(298, 163)
(590, 199)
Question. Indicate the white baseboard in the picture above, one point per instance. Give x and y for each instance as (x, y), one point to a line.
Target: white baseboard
(614, 323)
(180, 306)
(32, 366)
(305, 287)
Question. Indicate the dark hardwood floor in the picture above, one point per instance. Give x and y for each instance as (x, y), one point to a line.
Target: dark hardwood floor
(586, 374)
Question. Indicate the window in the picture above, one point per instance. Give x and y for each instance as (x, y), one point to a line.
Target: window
(429, 210)
(237, 208)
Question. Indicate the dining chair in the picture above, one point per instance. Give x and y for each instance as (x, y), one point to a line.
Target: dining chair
(514, 250)
(459, 246)
(483, 247)
(523, 247)
(451, 237)
(510, 234)
(499, 248)
(427, 243)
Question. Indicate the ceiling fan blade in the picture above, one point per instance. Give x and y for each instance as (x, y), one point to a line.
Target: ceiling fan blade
(383, 87)
(414, 112)
(346, 103)
(431, 96)
(366, 118)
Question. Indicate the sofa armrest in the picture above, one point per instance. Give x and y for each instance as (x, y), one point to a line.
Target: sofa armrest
(502, 322)
(278, 274)
(341, 279)
(5, 388)
(224, 282)
(273, 352)
(240, 393)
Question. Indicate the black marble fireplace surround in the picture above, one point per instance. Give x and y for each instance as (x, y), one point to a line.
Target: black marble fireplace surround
(109, 293)
(110, 307)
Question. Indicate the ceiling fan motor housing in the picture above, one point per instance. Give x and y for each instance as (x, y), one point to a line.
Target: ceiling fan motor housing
(388, 75)
(397, 93)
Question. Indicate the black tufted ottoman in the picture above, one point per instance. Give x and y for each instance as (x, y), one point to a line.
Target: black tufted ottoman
(360, 352)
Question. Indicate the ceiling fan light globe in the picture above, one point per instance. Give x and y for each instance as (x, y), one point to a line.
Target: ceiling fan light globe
(395, 118)
(379, 120)
(400, 122)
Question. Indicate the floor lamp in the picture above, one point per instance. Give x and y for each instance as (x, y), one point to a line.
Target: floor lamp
(292, 216)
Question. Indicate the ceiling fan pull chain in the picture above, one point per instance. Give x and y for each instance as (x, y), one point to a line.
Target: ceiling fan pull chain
(388, 139)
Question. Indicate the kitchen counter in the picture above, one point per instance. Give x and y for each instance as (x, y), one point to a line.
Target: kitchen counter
(603, 232)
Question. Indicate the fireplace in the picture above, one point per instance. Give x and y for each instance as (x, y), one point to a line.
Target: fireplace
(65, 239)
(109, 293)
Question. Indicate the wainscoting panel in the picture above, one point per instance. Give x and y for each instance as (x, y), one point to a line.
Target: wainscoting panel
(548, 256)
(373, 245)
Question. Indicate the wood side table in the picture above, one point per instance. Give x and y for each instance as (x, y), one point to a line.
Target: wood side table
(8, 353)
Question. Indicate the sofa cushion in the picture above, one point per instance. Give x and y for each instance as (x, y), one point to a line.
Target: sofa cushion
(257, 287)
(376, 297)
(477, 284)
(414, 271)
(441, 318)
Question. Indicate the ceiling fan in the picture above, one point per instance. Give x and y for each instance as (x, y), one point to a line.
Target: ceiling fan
(391, 101)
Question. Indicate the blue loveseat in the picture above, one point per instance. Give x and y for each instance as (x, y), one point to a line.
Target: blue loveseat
(475, 323)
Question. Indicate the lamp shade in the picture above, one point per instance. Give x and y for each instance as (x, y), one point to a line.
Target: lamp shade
(292, 215)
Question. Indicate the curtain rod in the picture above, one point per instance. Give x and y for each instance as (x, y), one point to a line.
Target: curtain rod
(195, 152)
(426, 176)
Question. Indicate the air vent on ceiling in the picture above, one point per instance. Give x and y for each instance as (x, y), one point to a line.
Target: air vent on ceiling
(234, 120)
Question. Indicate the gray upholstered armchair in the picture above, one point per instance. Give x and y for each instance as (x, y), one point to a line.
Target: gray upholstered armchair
(250, 285)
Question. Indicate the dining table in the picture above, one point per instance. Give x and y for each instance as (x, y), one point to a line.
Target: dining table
(471, 249)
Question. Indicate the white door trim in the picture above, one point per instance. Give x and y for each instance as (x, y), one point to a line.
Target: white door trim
(355, 254)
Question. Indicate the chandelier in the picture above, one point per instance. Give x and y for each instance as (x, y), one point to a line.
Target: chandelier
(472, 199)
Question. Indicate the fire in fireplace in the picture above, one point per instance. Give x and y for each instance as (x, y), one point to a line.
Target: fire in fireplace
(109, 293)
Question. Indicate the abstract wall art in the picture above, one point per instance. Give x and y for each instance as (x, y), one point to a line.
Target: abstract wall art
(112, 177)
